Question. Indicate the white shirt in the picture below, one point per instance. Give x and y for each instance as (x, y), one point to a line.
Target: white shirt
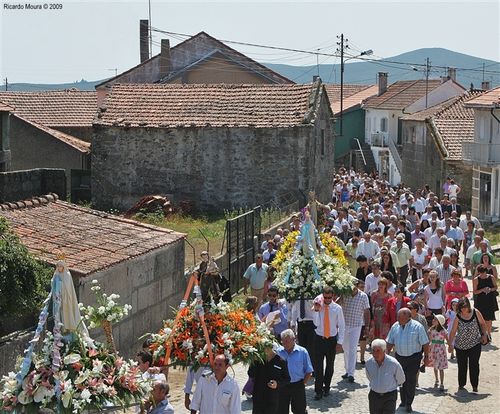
(370, 249)
(434, 241)
(374, 226)
(371, 283)
(427, 216)
(213, 398)
(294, 312)
(337, 323)
(434, 262)
(463, 223)
(419, 205)
(192, 378)
(452, 190)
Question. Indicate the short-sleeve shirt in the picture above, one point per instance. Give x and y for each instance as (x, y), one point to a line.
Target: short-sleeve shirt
(408, 340)
(256, 276)
(354, 308)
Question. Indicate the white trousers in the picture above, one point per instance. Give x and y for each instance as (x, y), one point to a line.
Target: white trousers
(350, 346)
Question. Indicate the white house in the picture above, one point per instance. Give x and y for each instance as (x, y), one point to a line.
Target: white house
(484, 154)
(383, 115)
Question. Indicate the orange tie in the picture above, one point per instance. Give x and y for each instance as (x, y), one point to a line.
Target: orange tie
(326, 322)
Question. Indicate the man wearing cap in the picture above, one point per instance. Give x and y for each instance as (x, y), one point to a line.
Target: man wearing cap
(403, 255)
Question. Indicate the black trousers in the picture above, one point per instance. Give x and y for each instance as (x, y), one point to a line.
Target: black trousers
(403, 274)
(410, 365)
(468, 357)
(294, 394)
(382, 403)
(305, 336)
(323, 349)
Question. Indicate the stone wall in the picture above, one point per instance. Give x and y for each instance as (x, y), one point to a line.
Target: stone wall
(152, 283)
(31, 147)
(215, 168)
(20, 185)
(11, 347)
(423, 164)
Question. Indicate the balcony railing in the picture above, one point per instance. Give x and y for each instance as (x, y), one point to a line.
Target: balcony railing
(379, 139)
(481, 153)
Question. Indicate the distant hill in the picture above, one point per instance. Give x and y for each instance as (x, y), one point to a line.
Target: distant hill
(469, 71)
(366, 72)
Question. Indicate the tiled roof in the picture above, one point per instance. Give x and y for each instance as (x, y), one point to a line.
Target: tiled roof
(401, 94)
(454, 124)
(251, 64)
(5, 108)
(199, 105)
(65, 108)
(91, 240)
(487, 99)
(429, 112)
(354, 95)
(80, 145)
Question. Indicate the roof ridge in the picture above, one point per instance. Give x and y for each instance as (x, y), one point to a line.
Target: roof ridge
(110, 216)
(30, 203)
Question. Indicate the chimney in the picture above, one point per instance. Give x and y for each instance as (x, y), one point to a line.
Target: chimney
(485, 85)
(144, 39)
(452, 74)
(165, 58)
(382, 82)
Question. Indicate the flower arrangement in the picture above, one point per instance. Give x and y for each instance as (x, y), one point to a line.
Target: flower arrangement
(285, 251)
(332, 248)
(107, 308)
(232, 330)
(88, 378)
(305, 277)
(105, 313)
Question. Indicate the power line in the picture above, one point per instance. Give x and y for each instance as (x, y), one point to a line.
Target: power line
(362, 58)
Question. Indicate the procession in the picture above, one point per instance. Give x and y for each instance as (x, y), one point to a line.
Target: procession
(393, 282)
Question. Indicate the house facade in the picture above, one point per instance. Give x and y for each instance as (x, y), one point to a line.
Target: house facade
(350, 138)
(198, 59)
(219, 146)
(432, 145)
(50, 129)
(383, 124)
(484, 155)
(5, 111)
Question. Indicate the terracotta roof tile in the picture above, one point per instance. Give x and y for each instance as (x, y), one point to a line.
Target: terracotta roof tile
(454, 122)
(91, 240)
(68, 139)
(5, 108)
(200, 105)
(63, 108)
(401, 94)
(353, 95)
(487, 99)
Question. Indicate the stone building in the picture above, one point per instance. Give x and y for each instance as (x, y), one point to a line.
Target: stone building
(219, 146)
(143, 264)
(432, 146)
(50, 129)
(198, 59)
(483, 154)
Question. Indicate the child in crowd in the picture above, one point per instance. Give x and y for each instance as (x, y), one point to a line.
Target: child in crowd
(438, 355)
(450, 318)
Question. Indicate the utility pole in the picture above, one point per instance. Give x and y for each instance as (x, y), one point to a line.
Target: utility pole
(6, 84)
(342, 46)
(427, 69)
(483, 71)
(317, 63)
(150, 31)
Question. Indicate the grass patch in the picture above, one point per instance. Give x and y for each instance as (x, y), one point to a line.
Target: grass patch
(493, 237)
(212, 226)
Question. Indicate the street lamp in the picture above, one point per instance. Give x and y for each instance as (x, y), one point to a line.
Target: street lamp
(342, 61)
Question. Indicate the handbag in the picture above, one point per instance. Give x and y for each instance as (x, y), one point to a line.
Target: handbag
(488, 336)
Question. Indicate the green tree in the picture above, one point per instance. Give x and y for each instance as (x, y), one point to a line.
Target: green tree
(24, 282)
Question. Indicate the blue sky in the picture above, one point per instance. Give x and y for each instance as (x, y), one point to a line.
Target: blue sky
(91, 39)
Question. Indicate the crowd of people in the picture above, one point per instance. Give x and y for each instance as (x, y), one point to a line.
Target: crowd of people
(409, 308)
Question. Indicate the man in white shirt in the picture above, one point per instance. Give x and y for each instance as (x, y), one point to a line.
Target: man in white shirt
(469, 217)
(330, 330)
(377, 226)
(217, 392)
(367, 247)
(435, 240)
(371, 281)
(427, 215)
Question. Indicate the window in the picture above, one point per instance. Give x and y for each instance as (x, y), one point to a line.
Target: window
(322, 142)
(383, 125)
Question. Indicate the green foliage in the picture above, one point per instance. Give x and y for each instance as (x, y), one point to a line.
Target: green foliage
(24, 281)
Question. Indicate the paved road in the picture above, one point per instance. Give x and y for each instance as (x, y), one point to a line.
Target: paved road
(353, 398)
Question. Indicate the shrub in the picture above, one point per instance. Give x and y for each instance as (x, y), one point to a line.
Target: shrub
(24, 282)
